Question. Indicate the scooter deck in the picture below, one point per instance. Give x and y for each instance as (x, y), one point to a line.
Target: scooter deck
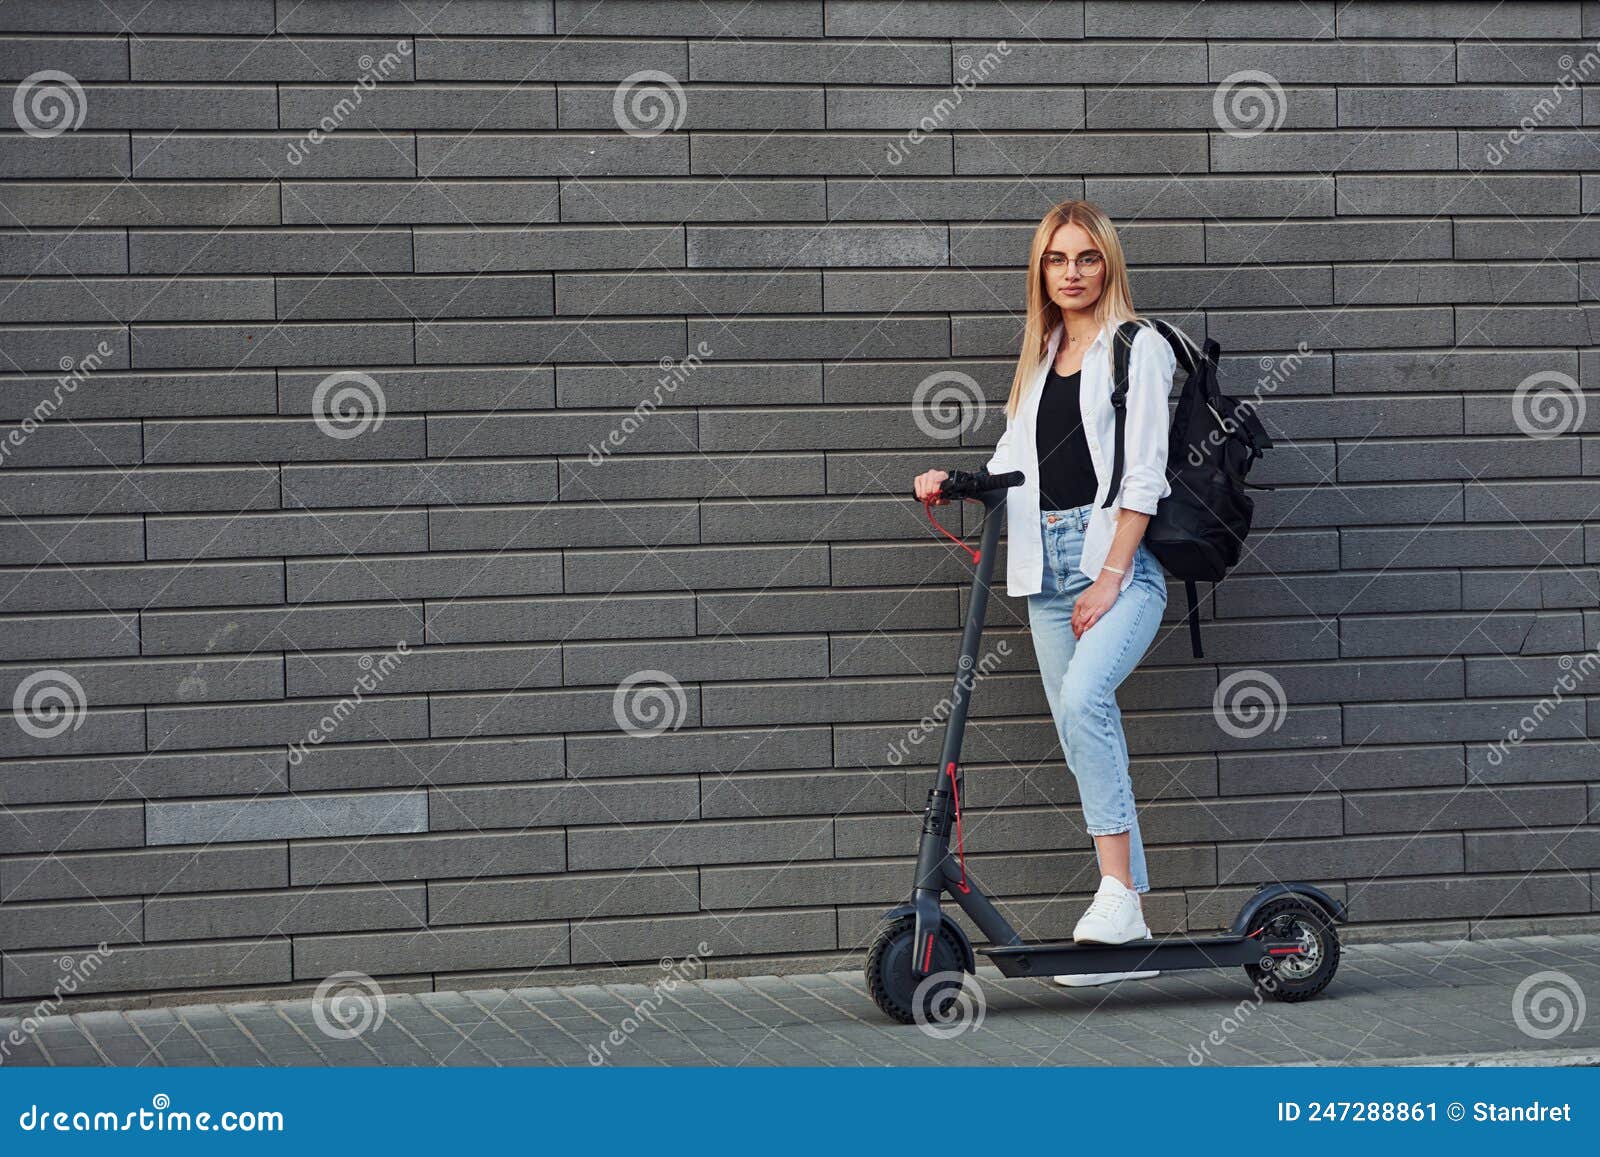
(1166, 953)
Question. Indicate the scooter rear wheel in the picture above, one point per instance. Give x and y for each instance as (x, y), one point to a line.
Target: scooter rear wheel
(896, 990)
(1296, 978)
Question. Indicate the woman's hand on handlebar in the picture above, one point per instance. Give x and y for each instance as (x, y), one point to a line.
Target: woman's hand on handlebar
(926, 486)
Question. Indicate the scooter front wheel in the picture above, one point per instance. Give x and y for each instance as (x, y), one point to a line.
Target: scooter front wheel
(900, 993)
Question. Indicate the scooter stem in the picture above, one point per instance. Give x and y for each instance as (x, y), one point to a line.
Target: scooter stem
(934, 870)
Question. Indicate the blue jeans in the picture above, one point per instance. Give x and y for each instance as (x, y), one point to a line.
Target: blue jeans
(1081, 676)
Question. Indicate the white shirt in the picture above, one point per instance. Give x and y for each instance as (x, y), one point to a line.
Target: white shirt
(1151, 365)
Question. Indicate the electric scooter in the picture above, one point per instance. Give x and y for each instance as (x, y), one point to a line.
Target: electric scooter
(1284, 936)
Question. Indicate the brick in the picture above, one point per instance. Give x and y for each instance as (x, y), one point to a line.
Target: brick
(392, 764)
(589, 895)
(139, 491)
(434, 17)
(74, 155)
(557, 804)
(234, 17)
(91, 731)
(668, 845)
(33, 541)
(436, 390)
(718, 751)
(296, 911)
(150, 204)
(82, 57)
(440, 343)
(336, 720)
(267, 251)
(82, 251)
(616, 940)
(768, 62)
(242, 156)
(295, 629)
(722, 107)
(816, 155)
(421, 298)
(398, 105)
(218, 964)
(826, 246)
(1445, 897)
(436, 857)
(637, 17)
(450, 155)
(448, 58)
(65, 829)
(1469, 807)
(443, 483)
(875, 19)
(397, 953)
(290, 817)
(157, 776)
(257, 535)
(704, 199)
(438, 575)
(58, 925)
(149, 872)
(688, 293)
(278, 58)
(429, 202)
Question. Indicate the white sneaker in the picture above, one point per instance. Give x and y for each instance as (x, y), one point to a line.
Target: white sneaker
(1089, 979)
(1114, 916)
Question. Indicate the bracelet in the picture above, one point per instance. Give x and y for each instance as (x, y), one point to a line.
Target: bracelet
(1112, 569)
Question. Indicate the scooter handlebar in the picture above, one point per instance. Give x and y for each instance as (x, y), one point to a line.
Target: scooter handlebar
(968, 484)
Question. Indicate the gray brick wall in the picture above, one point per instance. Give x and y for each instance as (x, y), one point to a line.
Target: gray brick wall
(347, 693)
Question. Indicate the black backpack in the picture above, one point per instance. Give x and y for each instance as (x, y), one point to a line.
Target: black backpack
(1197, 531)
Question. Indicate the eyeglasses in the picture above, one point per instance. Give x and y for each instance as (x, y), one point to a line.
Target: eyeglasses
(1088, 263)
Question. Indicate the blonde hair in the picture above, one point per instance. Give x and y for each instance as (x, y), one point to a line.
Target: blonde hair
(1115, 304)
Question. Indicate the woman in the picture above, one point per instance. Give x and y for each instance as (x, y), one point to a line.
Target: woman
(1095, 592)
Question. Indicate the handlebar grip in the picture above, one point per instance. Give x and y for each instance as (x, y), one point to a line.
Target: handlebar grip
(964, 484)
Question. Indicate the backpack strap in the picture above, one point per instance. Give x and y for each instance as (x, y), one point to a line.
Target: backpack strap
(1121, 349)
(1192, 593)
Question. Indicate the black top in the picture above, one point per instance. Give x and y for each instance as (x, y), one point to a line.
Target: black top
(1066, 472)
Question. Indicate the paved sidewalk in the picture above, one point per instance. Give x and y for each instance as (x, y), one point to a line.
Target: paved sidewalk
(1427, 1001)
